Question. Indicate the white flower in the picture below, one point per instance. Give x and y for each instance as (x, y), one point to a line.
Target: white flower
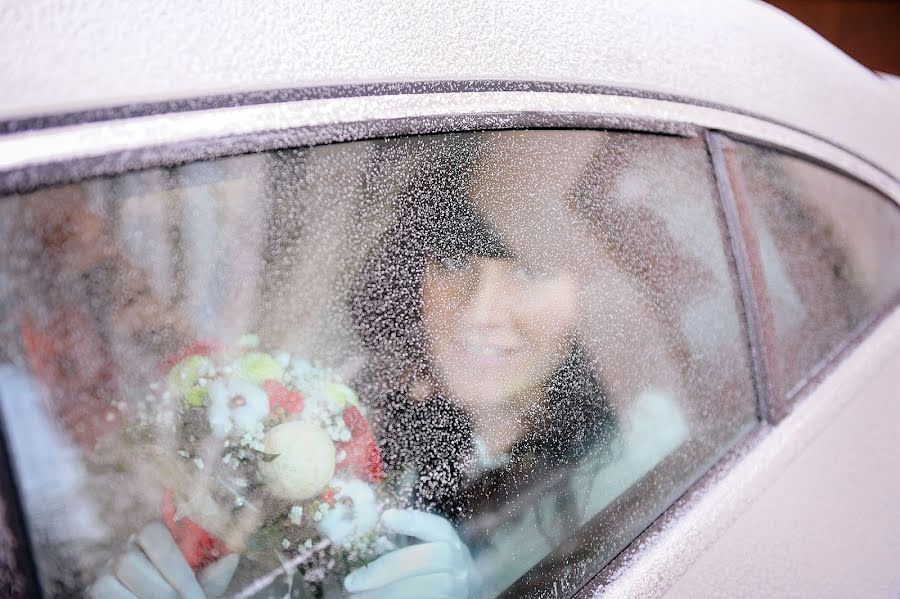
(304, 462)
(343, 523)
(302, 370)
(283, 358)
(296, 515)
(239, 404)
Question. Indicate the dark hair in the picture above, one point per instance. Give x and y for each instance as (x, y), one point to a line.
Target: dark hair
(428, 431)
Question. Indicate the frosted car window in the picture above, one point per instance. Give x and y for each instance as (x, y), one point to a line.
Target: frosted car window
(828, 246)
(527, 342)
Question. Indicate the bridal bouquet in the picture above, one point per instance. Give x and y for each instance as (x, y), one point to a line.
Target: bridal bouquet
(267, 453)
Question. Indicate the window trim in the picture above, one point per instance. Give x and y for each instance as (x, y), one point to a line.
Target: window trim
(388, 88)
(35, 158)
(751, 279)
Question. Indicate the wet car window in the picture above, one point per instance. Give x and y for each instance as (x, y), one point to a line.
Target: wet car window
(480, 362)
(828, 246)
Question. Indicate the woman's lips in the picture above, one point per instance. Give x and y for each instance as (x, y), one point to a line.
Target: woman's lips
(488, 353)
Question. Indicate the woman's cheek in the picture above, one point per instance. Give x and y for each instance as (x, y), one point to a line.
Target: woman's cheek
(548, 310)
(438, 304)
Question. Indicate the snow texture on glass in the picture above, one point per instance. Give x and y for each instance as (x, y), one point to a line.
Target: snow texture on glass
(533, 336)
(828, 247)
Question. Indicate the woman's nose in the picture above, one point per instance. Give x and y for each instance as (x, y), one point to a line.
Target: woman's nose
(489, 304)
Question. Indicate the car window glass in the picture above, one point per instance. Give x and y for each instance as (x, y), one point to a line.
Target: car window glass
(828, 247)
(530, 337)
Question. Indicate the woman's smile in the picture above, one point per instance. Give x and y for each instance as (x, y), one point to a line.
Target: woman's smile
(488, 351)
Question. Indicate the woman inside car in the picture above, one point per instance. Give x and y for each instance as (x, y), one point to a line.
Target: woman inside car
(482, 393)
(483, 365)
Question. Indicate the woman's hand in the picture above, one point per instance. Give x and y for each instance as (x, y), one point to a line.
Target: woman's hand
(439, 567)
(152, 567)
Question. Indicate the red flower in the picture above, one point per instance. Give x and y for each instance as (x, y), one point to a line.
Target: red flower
(363, 458)
(282, 397)
(198, 547)
(69, 356)
(197, 348)
(329, 497)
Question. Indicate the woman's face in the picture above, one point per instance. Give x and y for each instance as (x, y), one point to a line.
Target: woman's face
(497, 330)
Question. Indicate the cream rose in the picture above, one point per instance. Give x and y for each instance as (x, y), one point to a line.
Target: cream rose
(305, 462)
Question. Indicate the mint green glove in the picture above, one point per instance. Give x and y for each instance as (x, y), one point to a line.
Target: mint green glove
(152, 567)
(438, 568)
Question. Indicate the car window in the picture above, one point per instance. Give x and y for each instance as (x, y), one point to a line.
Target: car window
(528, 342)
(828, 247)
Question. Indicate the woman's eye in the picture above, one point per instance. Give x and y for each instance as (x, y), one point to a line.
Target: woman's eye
(529, 273)
(456, 263)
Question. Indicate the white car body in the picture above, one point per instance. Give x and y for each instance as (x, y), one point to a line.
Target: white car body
(806, 506)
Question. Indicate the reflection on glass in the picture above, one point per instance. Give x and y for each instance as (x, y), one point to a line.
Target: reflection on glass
(828, 246)
(429, 362)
